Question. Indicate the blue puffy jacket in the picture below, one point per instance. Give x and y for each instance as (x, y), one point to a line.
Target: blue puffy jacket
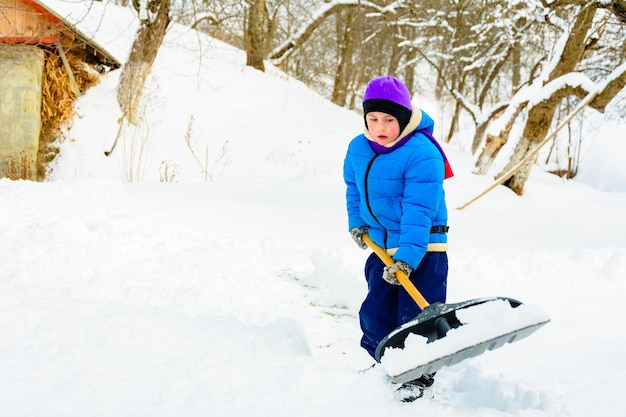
(399, 192)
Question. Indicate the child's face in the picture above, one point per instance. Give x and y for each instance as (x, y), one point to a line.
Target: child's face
(383, 127)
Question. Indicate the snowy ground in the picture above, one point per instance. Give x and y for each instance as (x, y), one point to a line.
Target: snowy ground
(239, 294)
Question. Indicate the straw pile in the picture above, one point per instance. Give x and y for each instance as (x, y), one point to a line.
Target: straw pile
(57, 108)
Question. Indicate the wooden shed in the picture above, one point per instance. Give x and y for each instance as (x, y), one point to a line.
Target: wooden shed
(46, 62)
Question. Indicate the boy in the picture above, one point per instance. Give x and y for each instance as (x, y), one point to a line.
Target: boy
(394, 175)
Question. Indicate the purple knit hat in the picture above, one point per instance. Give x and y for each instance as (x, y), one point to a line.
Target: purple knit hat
(389, 95)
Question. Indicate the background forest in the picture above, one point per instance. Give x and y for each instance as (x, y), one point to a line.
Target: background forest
(511, 73)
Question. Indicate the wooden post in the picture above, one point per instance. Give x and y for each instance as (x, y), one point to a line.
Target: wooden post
(66, 64)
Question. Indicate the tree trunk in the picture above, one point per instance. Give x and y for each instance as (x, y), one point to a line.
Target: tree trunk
(516, 65)
(142, 56)
(454, 122)
(255, 35)
(346, 50)
(540, 115)
(486, 159)
(396, 53)
(409, 70)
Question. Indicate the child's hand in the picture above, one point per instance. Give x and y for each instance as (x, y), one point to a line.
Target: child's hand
(389, 273)
(357, 234)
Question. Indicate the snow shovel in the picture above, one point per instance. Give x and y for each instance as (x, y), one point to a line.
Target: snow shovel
(472, 327)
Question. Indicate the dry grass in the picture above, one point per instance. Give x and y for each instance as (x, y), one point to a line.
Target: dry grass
(57, 108)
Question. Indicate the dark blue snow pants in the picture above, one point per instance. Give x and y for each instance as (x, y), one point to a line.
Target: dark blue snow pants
(387, 306)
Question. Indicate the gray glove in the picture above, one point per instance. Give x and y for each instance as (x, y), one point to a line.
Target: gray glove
(357, 234)
(389, 273)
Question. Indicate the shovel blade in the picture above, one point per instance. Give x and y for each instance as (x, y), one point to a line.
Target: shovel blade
(434, 323)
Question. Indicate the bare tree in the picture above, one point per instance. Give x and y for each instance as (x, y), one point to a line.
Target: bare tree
(154, 17)
(287, 47)
(558, 86)
(469, 45)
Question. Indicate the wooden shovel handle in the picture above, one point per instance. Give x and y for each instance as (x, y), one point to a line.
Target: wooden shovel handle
(404, 280)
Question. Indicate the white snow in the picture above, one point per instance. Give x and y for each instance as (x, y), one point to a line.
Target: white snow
(238, 293)
(481, 323)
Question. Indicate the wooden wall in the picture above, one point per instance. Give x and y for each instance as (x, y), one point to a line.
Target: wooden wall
(25, 21)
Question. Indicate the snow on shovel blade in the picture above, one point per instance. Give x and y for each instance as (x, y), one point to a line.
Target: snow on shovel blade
(446, 334)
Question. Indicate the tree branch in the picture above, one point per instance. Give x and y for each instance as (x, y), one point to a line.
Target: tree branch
(279, 54)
